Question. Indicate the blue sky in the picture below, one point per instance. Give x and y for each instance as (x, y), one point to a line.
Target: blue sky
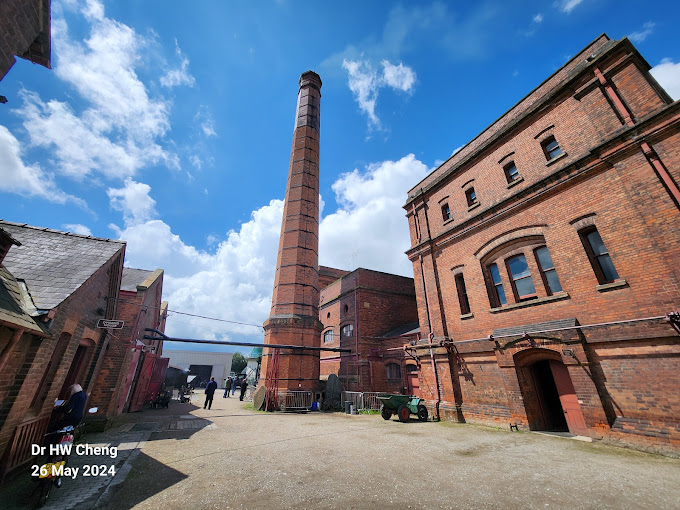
(169, 125)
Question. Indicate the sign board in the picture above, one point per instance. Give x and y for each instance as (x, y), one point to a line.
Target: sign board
(110, 324)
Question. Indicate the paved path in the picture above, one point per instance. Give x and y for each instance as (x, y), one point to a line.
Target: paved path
(229, 457)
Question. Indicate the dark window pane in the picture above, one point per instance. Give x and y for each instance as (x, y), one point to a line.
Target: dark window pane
(525, 286)
(518, 267)
(501, 295)
(544, 258)
(607, 267)
(596, 243)
(495, 275)
(446, 212)
(511, 172)
(553, 281)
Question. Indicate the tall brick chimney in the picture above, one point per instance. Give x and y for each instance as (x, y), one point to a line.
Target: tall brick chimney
(294, 317)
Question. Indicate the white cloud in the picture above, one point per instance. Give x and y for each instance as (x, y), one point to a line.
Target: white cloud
(647, 29)
(398, 77)
(234, 283)
(205, 121)
(27, 180)
(77, 228)
(118, 130)
(538, 18)
(369, 230)
(567, 6)
(365, 82)
(133, 201)
(667, 74)
(180, 76)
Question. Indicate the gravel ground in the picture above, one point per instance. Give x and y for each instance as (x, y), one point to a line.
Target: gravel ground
(231, 457)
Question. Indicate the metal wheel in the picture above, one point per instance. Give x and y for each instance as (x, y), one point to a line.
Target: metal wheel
(422, 413)
(403, 412)
(385, 413)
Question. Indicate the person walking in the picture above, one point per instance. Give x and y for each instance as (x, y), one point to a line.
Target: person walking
(234, 383)
(227, 388)
(210, 393)
(244, 385)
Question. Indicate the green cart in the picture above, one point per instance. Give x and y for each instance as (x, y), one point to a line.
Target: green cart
(403, 406)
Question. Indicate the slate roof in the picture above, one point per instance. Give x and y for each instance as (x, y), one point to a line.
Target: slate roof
(12, 307)
(406, 329)
(133, 277)
(55, 264)
(540, 326)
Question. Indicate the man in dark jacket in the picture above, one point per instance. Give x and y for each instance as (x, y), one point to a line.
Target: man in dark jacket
(227, 388)
(74, 409)
(244, 385)
(209, 393)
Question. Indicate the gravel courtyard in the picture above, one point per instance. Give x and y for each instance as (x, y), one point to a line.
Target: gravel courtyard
(231, 457)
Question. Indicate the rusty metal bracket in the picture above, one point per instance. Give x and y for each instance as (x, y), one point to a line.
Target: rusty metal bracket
(673, 318)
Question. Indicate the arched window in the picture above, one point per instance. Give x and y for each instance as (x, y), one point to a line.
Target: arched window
(328, 336)
(393, 371)
(347, 330)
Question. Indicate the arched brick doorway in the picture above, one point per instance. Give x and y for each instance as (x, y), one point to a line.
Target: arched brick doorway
(549, 397)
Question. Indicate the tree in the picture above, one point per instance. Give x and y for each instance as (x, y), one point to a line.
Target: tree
(238, 363)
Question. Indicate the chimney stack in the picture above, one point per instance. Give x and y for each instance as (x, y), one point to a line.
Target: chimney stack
(294, 317)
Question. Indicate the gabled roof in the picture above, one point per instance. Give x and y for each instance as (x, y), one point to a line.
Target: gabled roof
(133, 277)
(55, 264)
(12, 305)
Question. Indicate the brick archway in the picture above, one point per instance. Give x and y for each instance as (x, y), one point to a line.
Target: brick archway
(549, 397)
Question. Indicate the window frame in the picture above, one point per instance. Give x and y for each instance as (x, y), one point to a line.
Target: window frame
(399, 370)
(446, 212)
(512, 278)
(494, 294)
(326, 334)
(543, 272)
(593, 259)
(471, 196)
(346, 327)
(463, 300)
(509, 177)
(548, 153)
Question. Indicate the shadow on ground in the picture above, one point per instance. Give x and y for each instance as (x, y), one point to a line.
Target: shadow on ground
(139, 486)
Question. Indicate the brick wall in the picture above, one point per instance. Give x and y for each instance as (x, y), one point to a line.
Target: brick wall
(21, 22)
(603, 179)
(76, 317)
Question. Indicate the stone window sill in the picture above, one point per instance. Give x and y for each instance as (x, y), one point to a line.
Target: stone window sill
(533, 302)
(473, 206)
(467, 316)
(450, 220)
(556, 158)
(618, 284)
(515, 182)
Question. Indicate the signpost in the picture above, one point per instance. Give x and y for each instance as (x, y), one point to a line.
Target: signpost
(110, 324)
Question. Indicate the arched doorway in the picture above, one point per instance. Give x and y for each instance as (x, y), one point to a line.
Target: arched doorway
(549, 397)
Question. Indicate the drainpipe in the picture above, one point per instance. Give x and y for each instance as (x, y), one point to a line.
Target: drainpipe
(356, 330)
(618, 104)
(431, 337)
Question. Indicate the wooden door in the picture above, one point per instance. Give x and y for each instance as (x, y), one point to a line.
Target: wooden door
(413, 384)
(568, 399)
(142, 384)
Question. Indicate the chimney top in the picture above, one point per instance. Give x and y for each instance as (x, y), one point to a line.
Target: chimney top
(310, 79)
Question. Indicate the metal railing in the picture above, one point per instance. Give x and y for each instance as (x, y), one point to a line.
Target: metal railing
(366, 400)
(295, 400)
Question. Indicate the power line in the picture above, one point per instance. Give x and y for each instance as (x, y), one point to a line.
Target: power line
(120, 300)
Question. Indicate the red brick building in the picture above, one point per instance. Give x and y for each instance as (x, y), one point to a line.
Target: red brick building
(24, 32)
(370, 313)
(557, 231)
(55, 288)
(123, 381)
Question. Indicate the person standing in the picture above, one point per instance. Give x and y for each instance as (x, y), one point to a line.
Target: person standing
(227, 388)
(210, 393)
(244, 385)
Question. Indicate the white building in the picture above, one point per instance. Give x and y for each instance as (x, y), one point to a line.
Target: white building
(202, 364)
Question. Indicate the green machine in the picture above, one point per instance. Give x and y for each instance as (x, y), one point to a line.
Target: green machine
(403, 406)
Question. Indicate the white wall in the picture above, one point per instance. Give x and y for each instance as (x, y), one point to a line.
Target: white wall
(220, 362)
